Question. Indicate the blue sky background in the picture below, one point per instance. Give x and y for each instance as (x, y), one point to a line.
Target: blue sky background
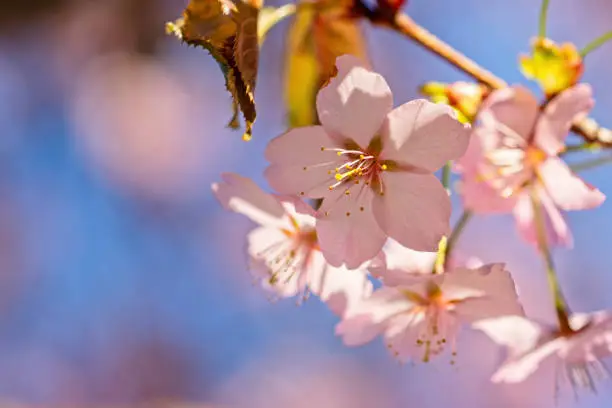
(114, 291)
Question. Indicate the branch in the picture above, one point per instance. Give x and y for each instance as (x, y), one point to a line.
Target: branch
(586, 128)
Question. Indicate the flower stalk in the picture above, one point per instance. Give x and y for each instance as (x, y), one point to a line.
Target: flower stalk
(543, 18)
(596, 43)
(561, 308)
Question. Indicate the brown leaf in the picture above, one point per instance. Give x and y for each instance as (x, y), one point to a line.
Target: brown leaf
(228, 30)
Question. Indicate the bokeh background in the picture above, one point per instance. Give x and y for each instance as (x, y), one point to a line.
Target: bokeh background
(124, 283)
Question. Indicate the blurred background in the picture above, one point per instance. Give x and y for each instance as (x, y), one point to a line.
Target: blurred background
(124, 283)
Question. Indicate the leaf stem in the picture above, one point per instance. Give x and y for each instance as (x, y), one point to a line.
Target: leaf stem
(543, 18)
(596, 43)
(561, 307)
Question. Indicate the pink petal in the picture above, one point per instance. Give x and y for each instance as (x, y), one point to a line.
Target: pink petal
(370, 316)
(480, 198)
(514, 108)
(340, 288)
(475, 152)
(349, 233)
(424, 134)
(398, 264)
(298, 165)
(402, 334)
(242, 195)
(518, 334)
(566, 189)
(564, 109)
(487, 292)
(529, 345)
(414, 210)
(358, 329)
(557, 230)
(355, 103)
(301, 146)
(518, 369)
(301, 213)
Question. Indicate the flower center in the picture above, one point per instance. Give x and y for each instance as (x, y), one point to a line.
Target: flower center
(361, 166)
(534, 157)
(439, 325)
(511, 169)
(288, 259)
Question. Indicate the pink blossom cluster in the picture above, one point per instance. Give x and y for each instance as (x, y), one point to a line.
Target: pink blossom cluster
(382, 220)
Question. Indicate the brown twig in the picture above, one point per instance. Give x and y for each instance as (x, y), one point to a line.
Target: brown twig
(587, 128)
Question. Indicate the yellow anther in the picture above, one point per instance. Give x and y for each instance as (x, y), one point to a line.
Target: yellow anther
(383, 167)
(347, 192)
(339, 153)
(361, 157)
(342, 176)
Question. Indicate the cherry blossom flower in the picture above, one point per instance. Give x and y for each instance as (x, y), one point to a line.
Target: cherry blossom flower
(513, 155)
(284, 251)
(576, 352)
(420, 313)
(371, 164)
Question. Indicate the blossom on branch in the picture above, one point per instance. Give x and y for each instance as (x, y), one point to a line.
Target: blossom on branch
(576, 352)
(372, 165)
(513, 154)
(284, 250)
(419, 313)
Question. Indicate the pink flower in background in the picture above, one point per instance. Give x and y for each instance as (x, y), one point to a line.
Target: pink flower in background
(514, 153)
(284, 249)
(419, 313)
(371, 164)
(576, 352)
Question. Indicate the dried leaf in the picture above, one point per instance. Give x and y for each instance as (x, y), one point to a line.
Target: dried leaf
(228, 30)
(321, 31)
